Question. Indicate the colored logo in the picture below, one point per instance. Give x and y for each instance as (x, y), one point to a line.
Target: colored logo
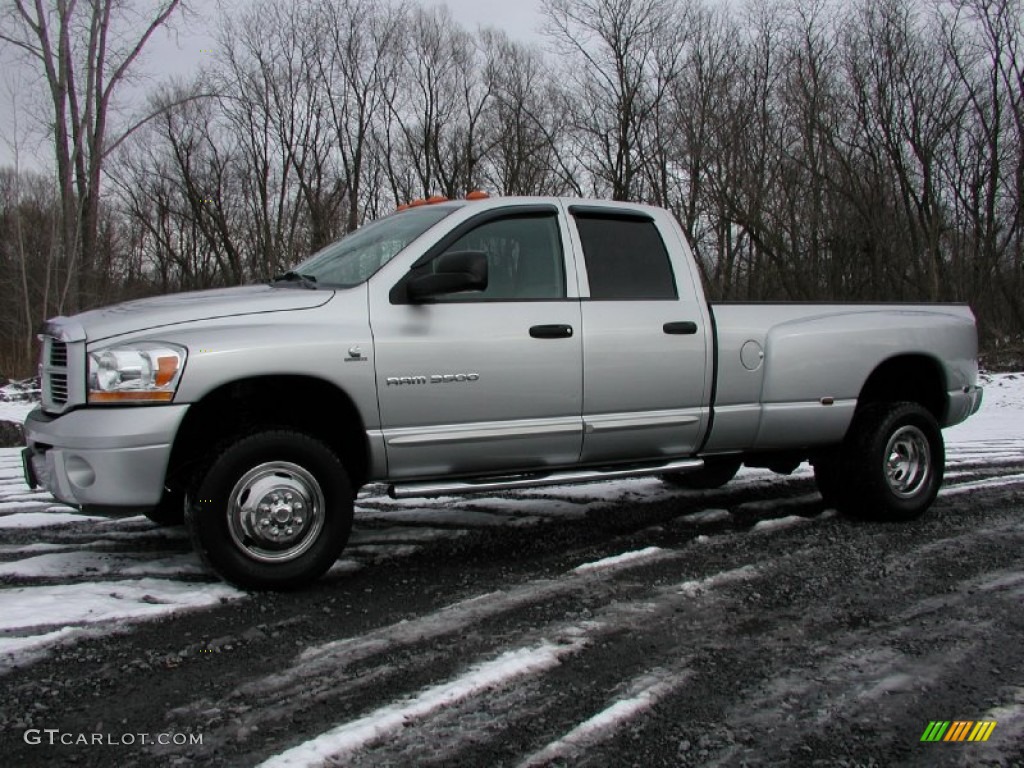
(958, 730)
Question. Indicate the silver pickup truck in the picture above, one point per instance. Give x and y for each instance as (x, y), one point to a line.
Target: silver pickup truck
(476, 345)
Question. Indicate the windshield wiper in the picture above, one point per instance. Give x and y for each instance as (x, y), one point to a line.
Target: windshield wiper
(291, 276)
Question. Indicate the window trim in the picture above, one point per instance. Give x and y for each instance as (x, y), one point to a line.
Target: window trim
(591, 212)
(601, 212)
(399, 292)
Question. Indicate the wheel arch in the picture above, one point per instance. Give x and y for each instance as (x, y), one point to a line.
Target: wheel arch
(915, 378)
(303, 403)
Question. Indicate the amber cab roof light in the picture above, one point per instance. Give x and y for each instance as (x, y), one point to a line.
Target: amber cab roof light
(476, 194)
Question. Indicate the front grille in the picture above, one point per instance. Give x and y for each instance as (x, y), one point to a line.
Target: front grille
(58, 388)
(59, 354)
(59, 360)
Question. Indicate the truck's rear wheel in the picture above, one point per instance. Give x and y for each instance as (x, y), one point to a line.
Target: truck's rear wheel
(273, 511)
(894, 457)
(714, 474)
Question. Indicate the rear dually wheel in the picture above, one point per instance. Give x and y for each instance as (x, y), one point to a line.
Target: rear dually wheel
(894, 457)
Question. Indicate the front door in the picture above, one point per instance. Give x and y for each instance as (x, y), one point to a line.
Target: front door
(488, 380)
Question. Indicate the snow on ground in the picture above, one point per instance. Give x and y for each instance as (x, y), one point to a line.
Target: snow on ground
(77, 564)
(87, 603)
(1001, 417)
(642, 695)
(332, 747)
(70, 574)
(59, 516)
(649, 553)
(15, 411)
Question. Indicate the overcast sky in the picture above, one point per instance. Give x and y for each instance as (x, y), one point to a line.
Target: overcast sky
(180, 54)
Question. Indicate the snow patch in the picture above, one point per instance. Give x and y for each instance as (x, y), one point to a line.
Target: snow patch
(332, 747)
(19, 651)
(994, 482)
(45, 519)
(734, 576)
(77, 564)
(779, 523)
(707, 516)
(1001, 414)
(605, 724)
(650, 553)
(65, 605)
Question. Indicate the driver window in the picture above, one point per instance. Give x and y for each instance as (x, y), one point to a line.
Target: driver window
(524, 259)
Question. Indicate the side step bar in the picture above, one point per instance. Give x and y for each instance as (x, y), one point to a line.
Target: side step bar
(535, 479)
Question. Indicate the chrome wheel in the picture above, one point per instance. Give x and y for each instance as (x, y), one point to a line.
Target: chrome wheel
(908, 462)
(276, 512)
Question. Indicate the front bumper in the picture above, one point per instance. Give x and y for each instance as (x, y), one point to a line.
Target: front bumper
(109, 457)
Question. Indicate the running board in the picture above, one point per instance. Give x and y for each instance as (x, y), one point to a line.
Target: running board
(536, 479)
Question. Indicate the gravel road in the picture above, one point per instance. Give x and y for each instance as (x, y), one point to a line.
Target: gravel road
(627, 623)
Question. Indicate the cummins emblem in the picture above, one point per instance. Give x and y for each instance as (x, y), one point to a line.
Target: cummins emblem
(437, 378)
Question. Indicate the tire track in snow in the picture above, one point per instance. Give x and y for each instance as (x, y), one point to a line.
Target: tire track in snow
(642, 694)
(316, 680)
(327, 669)
(340, 743)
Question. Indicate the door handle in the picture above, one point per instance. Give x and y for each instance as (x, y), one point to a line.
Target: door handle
(551, 331)
(684, 328)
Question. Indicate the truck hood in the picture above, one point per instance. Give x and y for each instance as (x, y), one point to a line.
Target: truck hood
(161, 311)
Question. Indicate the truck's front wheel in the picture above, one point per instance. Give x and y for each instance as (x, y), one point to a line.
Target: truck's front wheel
(273, 511)
(895, 457)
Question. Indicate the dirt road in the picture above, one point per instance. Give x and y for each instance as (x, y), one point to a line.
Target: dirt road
(614, 624)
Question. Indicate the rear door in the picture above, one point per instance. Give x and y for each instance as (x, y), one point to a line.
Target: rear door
(491, 380)
(644, 341)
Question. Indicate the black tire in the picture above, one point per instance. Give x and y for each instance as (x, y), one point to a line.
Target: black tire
(273, 511)
(894, 458)
(829, 477)
(715, 474)
(170, 510)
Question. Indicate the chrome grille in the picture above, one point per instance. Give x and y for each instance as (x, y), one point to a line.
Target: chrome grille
(58, 354)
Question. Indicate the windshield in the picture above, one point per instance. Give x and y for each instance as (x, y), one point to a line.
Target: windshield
(353, 259)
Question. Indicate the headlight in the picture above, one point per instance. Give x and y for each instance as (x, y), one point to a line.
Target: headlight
(140, 372)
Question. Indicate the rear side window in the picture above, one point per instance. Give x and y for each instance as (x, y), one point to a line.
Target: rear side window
(626, 258)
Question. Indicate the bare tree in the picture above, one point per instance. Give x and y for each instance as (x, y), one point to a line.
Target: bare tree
(624, 56)
(357, 68)
(522, 123)
(985, 50)
(431, 137)
(85, 52)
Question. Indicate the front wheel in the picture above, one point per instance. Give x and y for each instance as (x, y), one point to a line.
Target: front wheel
(895, 457)
(273, 511)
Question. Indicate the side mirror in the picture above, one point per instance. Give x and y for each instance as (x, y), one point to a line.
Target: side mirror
(453, 273)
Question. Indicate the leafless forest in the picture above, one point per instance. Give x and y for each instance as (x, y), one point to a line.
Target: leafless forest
(813, 150)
